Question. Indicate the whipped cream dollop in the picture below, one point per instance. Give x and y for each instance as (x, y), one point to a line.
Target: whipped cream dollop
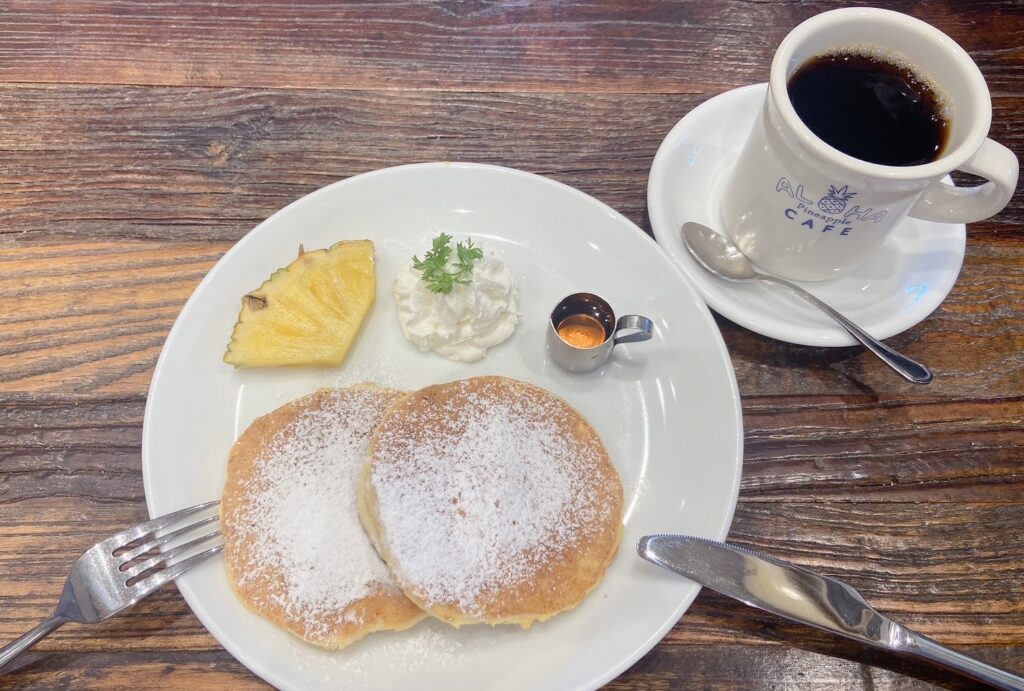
(463, 324)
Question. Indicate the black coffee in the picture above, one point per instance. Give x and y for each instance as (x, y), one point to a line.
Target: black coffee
(870, 108)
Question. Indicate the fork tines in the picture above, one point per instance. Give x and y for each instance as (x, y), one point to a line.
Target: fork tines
(154, 552)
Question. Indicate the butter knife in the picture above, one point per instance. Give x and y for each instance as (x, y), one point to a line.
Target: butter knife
(805, 597)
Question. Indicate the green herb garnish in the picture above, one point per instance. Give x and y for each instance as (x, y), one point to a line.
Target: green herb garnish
(437, 274)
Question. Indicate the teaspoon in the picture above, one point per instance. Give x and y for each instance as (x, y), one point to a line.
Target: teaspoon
(721, 257)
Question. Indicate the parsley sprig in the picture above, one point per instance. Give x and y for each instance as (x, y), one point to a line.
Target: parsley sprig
(435, 269)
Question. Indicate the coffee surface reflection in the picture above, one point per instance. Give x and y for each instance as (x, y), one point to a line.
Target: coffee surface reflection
(875, 107)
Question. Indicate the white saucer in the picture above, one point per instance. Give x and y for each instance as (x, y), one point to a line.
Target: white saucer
(905, 280)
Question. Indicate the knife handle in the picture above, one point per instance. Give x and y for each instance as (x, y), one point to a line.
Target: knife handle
(927, 649)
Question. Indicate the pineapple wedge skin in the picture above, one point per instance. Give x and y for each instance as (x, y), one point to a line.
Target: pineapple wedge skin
(307, 313)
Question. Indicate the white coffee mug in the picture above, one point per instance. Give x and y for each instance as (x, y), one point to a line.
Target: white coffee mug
(802, 209)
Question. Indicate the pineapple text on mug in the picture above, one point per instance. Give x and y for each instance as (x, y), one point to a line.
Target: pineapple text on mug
(831, 212)
(801, 209)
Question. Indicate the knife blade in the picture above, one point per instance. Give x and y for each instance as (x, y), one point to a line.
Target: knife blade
(803, 596)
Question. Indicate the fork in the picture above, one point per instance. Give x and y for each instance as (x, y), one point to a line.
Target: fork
(116, 573)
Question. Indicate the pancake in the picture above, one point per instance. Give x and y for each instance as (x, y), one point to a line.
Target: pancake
(295, 551)
(492, 501)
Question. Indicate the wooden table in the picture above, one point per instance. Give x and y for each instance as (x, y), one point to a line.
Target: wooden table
(140, 140)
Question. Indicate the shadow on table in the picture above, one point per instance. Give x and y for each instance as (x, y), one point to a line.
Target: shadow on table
(75, 650)
(908, 667)
(823, 364)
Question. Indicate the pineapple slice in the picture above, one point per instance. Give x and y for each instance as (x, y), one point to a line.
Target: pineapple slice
(307, 313)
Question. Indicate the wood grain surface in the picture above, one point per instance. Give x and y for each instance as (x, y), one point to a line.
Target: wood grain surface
(140, 140)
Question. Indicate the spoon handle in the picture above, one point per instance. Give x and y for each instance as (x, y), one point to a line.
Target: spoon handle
(909, 369)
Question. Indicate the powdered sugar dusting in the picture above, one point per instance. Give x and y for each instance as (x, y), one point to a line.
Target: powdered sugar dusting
(431, 645)
(488, 490)
(299, 521)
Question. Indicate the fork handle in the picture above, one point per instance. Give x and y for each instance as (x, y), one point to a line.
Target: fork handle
(13, 650)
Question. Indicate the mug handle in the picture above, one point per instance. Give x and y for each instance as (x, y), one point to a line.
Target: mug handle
(947, 204)
(643, 325)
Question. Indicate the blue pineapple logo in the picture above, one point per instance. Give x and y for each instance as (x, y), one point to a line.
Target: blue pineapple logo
(835, 201)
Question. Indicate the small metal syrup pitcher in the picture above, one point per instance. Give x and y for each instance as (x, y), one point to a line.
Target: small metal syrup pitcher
(583, 331)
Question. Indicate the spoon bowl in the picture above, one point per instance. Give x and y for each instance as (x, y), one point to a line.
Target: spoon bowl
(717, 253)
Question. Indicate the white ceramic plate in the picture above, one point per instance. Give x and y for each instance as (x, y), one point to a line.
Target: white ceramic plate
(668, 411)
(901, 284)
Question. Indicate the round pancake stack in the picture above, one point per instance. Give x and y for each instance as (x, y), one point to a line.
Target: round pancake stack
(294, 549)
(491, 500)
